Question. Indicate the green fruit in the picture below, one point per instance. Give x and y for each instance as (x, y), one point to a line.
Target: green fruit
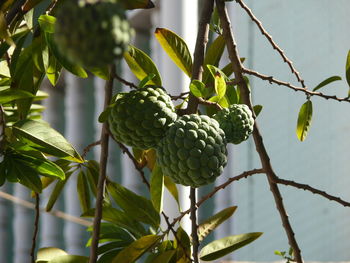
(237, 122)
(141, 117)
(193, 152)
(91, 34)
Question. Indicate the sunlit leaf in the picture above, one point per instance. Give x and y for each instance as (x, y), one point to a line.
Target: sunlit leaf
(220, 85)
(176, 48)
(142, 65)
(69, 259)
(41, 136)
(213, 55)
(157, 188)
(164, 257)
(9, 95)
(53, 71)
(47, 253)
(171, 186)
(326, 82)
(304, 120)
(206, 227)
(102, 73)
(198, 89)
(136, 249)
(226, 245)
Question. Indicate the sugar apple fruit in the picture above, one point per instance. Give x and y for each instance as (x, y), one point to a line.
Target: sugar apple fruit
(141, 117)
(237, 122)
(91, 33)
(193, 152)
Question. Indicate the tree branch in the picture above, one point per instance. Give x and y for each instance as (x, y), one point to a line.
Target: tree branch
(102, 172)
(271, 79)
(194, 234)
(89, 147)
(260, 147)
(125, 82)
(36, 226)
(306, 187)
(273, 44)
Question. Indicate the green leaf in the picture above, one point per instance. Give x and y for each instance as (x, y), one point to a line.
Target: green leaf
(136, 206)
(257, 109)
(137, 4)
(102, 73)
(347, 69)
(176, 48)
(136, 249)
(215, 23)
(326, 82)
(185, 247)
(142, 65)
(108, 257)
(27, 176)
(40, 165)
(198, 89)
(73, 68)
(53, 71)
(2, 173)
(157, 188)
(47, 253)
(213, 56)
(47, 23)
(119, 218)
(205, 228)
(172, 188)
(41, 136)
(146, 80)
(304, 120)
(231, 95)
(220, 85)
(56, 192)
(83, 192)
(69, 259)
(164, 257)
(9, 95)
(224, 246)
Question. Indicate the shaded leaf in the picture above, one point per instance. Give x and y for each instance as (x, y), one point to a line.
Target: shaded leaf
(157, 188)
(164, 257)
(102, 73)
(226, 245)
(27, 176)
(142, 65)
(146, 80)
(206, 227)
(9, 95)
(347, 69)
(83, 192)
(326, 82)
(56, 193)
(136, 249)
(53, 71)
(47, 253)
(304, 120)
(136, 206)
(137, 4)
(257, 109)
(108, 256)
(40, 135)
(231, 95)
(176, 48)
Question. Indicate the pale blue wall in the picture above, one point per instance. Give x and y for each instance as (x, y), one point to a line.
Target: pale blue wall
(315, 35)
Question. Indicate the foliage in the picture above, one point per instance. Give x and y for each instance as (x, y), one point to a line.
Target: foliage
(35, 155)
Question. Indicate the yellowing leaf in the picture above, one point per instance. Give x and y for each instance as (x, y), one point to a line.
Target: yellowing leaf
(176, 48)
(304, 120)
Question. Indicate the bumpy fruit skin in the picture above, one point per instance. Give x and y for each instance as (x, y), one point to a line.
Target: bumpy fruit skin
(237, 122)
(193, 152)
(141, 117)
(91, 34)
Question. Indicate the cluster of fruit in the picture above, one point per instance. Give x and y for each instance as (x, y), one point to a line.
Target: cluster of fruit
(191, 149)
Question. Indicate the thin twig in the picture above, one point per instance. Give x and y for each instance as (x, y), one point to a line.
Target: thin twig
(216, 189)
(273, 44)
(125, 82)
(102, 172)
(209, 103)
(271, 79)
(89, 147)
(55, 213)
(36, 226)
(16, 9)
(312, 190)
(181, 96)
(259, 144)
(194, 234)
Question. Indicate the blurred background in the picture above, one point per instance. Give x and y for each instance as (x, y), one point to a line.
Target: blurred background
(315, 36)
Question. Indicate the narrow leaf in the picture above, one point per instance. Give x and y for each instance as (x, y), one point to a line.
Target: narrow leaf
(157, 188)
(56, 193)
(164, 257)
(326, 82)
(136, 206)
(136, 249)
(171, 186)
(137, 4)
(220, 85)
(304, 120)
(176, 48)
(205, 228)
(9, 95)
(142, 65)
(53, 71)
(347, 69)
(224, 246)
(257, 109)
(41, 136)
(83, 192)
